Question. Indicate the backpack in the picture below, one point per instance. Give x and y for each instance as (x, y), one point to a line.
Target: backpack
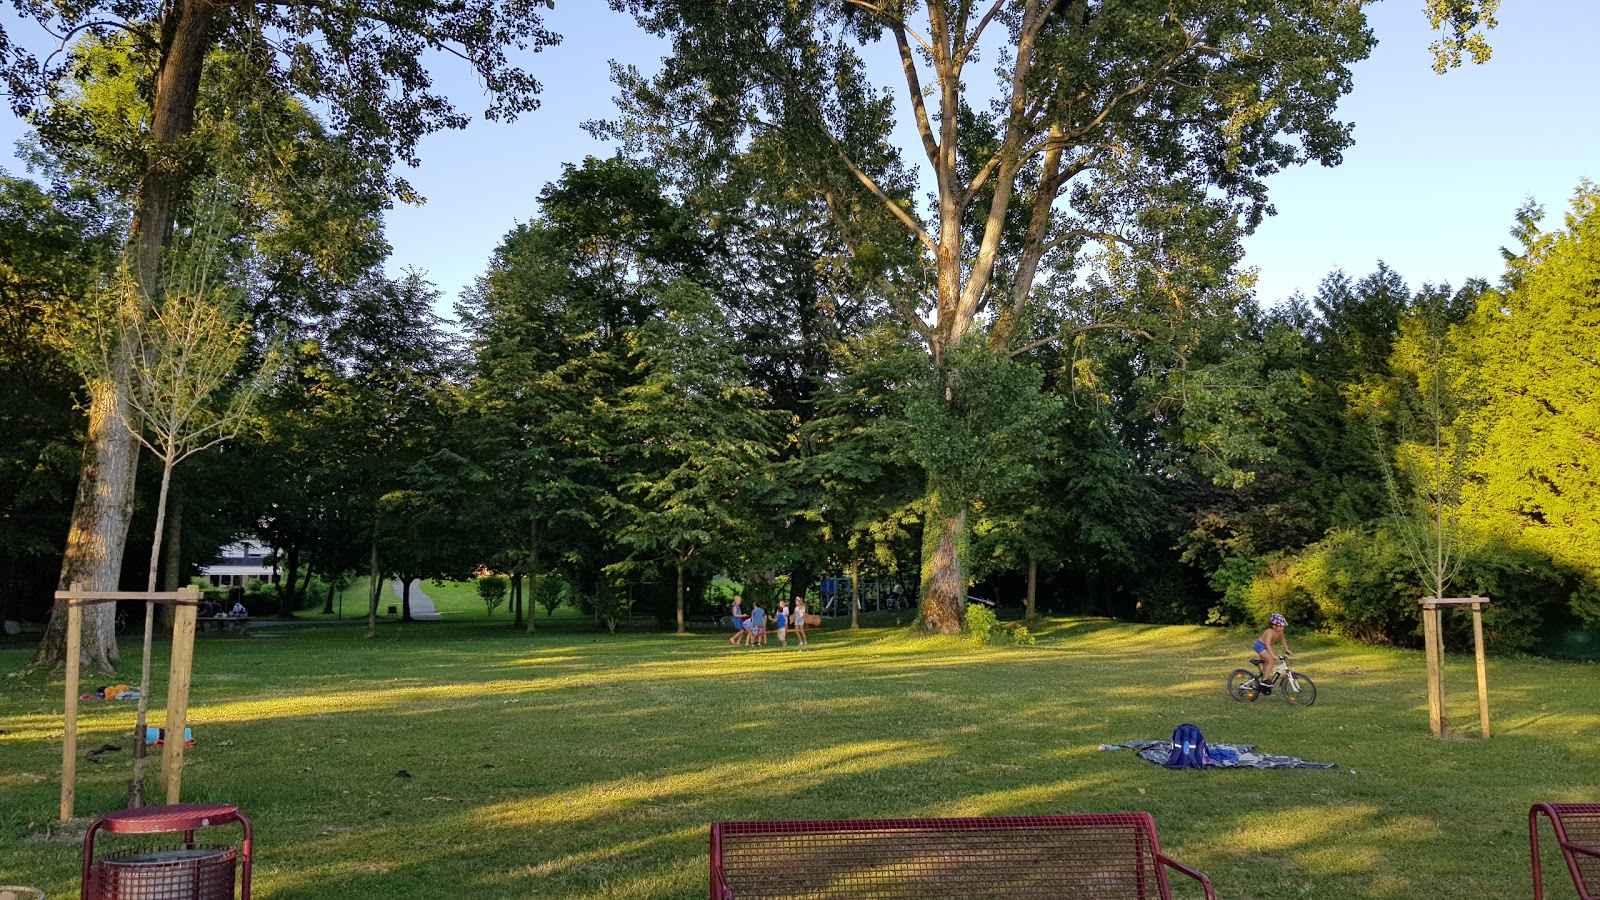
(1188, 749)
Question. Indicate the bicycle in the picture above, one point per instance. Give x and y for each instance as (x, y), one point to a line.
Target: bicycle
(1296, 688)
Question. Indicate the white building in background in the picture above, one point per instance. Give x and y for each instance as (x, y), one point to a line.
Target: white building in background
(240, 563)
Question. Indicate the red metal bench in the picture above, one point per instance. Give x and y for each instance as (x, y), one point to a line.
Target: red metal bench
(1577, 828)
(1108, 856)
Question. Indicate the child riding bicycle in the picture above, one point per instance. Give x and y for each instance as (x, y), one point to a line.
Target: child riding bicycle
(1269, 660)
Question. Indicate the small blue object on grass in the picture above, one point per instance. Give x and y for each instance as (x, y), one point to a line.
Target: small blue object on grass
(153, 737)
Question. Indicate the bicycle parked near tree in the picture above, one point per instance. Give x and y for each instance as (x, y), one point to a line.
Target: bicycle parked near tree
(1295, 687)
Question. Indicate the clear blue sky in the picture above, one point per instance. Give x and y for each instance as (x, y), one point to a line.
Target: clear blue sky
(1439, 166)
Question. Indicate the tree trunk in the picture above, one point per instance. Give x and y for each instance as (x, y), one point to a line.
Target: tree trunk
(855, 592)
(101, 514)
(533, 570)
(681, 629)
(286, 604)
(516, 600)
(405, 598)
(1033, 589)
(327, 606)
(140, 751)
(172, 572)
(943, 608)
(374, 591)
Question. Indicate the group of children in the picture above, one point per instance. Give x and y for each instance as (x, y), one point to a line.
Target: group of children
(751, 629)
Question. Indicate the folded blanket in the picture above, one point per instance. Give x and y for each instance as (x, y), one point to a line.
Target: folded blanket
(1227, 756)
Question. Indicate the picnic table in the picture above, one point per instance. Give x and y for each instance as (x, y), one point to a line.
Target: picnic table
(222, 624)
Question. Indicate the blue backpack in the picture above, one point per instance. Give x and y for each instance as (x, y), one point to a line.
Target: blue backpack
(1188, 749)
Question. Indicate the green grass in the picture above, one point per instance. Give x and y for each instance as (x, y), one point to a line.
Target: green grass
(575, 764)
(457, 601)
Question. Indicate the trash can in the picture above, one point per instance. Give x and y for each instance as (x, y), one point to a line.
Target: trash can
(189, 871)
(182, 873)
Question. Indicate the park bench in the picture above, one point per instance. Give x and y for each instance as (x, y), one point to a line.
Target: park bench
(223, 624)
(1577, 830)
(1107, 856)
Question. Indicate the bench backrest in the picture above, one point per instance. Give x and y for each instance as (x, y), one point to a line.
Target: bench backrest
(1107, 856)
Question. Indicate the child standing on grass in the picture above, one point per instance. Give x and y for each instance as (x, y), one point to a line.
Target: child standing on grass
(798, 617)
(758, 625)
(780, 619)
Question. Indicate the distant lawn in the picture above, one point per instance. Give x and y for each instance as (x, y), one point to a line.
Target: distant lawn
(457, 601)
(574, 764)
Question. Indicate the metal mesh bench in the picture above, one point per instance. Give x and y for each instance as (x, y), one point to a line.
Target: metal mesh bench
(1106, 856)
(1577, 830)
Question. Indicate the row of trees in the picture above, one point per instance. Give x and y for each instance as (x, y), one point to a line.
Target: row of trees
(745, 345)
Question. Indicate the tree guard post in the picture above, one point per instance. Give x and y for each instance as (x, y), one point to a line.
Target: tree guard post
(1433, 636)
(69, 735)
(180, 673)
(187, 601)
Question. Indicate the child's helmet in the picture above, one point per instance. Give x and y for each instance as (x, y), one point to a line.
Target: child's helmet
(1278, 619)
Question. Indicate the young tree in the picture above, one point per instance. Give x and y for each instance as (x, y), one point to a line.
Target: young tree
(492, 591)
(184, 394)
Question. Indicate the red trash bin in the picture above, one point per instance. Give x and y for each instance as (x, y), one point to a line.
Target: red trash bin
(188, 872)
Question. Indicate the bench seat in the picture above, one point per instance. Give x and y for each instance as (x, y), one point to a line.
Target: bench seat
(1106, 856)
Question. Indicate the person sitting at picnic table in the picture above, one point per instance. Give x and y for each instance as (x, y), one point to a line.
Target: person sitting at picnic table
(209, 609)
(238, 611)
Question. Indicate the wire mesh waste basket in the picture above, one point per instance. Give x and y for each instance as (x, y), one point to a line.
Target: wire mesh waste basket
(187, 872)
(183, 873)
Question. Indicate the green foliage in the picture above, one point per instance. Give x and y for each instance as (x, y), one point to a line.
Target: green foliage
(1020, 635)
(1527, 368)
(492, 591)
(1359, 584)
(612, 604)
(981, 623)
(551, 593)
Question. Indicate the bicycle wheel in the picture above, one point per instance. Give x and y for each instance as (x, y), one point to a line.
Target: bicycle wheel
(1299, 690)
(1242, 685)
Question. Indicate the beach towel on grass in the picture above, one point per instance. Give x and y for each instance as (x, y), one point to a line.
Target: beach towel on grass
(1227, 756)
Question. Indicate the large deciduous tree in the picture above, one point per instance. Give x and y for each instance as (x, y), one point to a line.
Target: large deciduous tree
(1102, 121)
(366, 65)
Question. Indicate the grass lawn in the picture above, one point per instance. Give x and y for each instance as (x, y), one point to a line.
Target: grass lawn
(576, 764)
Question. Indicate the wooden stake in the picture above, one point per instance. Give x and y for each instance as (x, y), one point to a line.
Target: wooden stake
(1483, 669)
(69, 736)
(178, 678)
(1434, 640)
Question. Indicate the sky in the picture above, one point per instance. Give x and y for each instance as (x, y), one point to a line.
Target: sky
(1440, 165)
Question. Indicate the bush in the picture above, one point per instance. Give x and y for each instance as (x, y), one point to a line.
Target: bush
(551, 593)
(492, 591)
(981, 622)
(1362, 585)
(1022, 637)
